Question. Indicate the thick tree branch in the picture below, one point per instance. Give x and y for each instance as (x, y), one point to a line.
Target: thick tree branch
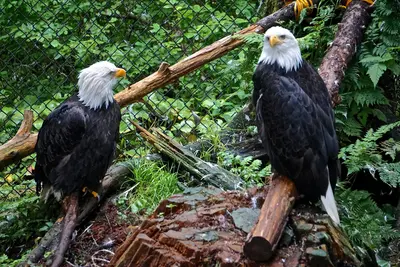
(17, 148)
(21, 145)
(349, 35)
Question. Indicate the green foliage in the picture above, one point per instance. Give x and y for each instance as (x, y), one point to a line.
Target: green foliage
(366, 153)
(23, 219)
(247, 168)
(363, 221)
(361, 92)
(152, 184)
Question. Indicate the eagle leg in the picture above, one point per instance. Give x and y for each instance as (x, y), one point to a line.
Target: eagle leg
(299, 5)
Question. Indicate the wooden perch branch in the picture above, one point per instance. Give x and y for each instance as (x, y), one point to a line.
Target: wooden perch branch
(21, 145)
(349, 35)
(70, 221)
(16, 149)
(264, 237)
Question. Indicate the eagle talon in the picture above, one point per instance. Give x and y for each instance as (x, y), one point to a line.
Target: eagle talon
(96, 195)
(347, 3)
(299, 5)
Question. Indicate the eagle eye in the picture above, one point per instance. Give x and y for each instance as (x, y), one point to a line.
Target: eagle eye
(282, 37)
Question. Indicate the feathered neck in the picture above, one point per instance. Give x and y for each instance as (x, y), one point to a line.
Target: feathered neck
(288, 58)
(95, 90)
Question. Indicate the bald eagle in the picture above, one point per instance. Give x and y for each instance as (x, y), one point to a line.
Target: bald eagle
(77, 141)
(295, 119)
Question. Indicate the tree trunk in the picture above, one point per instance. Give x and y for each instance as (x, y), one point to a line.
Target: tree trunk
(349, 35)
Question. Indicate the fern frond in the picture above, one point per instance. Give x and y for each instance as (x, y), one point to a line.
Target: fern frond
(390, 173)
(364, 222)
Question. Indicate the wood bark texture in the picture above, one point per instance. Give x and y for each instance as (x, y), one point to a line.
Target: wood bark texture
(201, 170)
(70, 221)
(21, 145)
(349, 35)
(208, 227)
(265, 235)
(24, 145)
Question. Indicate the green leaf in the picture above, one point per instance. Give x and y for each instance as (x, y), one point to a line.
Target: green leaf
(55, 43)
(375, 72)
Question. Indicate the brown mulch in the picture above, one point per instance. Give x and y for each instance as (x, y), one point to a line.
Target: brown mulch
(95, 242)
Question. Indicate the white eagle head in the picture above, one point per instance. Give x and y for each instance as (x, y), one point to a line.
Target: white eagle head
(96, 84)
(282, 48)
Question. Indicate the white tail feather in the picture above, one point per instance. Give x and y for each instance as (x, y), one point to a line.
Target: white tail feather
(330, 204)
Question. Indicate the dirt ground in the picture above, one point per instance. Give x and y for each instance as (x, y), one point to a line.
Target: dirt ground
(95, 242)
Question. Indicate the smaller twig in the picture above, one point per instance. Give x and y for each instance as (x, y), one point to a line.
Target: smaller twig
(126, 192)
(108, 221)
(100, 259)
(86, 229)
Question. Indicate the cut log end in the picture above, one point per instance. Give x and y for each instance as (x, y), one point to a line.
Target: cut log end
(258, 249)
(264, 237)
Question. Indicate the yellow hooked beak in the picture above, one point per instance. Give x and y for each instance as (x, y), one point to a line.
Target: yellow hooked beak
(274, 40)
(120, 73)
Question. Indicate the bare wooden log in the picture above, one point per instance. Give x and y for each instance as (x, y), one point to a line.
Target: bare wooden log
(265, 235)
(16, 149)
(205, 226)
(349, 35)
(51, 239)
(21, 145)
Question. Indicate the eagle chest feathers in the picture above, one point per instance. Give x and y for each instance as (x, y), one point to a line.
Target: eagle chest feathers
(295, 119)
(77, 141)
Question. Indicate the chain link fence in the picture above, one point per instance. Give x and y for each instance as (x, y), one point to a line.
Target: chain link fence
(44, 44)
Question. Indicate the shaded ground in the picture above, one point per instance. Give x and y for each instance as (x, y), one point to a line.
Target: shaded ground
(96, 241)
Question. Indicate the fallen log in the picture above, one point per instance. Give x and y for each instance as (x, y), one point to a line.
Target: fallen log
(264, 237)
(201, 170)
(208, 227)
(17, 148)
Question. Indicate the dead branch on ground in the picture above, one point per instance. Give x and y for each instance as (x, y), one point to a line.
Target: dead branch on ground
(201, 170)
